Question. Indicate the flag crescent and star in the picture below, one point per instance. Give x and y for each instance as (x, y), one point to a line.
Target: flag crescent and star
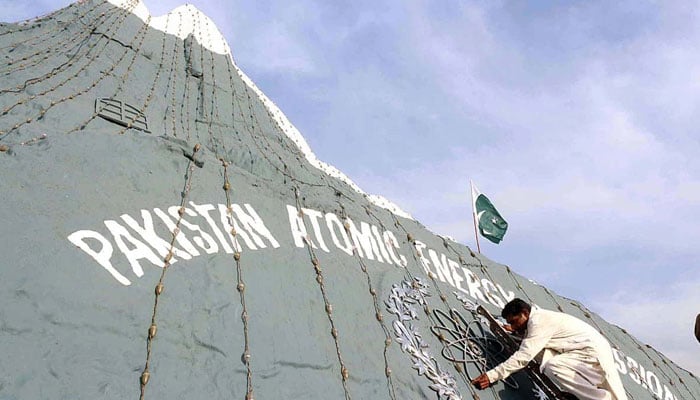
(490, 223)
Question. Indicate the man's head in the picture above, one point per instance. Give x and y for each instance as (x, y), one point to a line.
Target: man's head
(517, 313)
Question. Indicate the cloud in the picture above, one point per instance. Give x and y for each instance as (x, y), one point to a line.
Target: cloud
(583, 148)
(18, 10)
(578, 120)
(590, 154)
(580, 128)
(278, 48)
(664, 318)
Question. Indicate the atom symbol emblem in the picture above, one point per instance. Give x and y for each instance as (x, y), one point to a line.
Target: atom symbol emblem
(466, 342)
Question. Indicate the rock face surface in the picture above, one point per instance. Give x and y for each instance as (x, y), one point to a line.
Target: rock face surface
(166, 233)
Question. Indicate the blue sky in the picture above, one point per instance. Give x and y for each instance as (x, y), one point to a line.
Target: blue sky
(578, 119)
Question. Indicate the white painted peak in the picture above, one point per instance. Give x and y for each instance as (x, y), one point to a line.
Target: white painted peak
(187, 20)
(182, 21)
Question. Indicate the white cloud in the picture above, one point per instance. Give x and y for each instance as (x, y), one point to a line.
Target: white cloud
(575, 127)
(279, 48)
(19, 10)
(664, 318)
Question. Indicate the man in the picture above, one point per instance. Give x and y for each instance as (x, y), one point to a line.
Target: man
(575, 356)
(697, 327)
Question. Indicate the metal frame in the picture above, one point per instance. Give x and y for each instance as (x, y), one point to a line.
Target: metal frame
(121, 113)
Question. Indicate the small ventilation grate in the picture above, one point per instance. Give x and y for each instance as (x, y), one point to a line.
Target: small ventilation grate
(121, 113)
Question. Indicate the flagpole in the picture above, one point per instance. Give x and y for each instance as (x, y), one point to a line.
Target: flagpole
(476, 233)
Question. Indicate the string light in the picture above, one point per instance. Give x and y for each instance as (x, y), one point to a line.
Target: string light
(240, 285)
(345, 374)
(268, 144)
(53, 103)
(146, 375)
(45, 39)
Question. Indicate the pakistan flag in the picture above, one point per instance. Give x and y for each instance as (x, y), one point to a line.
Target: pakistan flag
(491, 225)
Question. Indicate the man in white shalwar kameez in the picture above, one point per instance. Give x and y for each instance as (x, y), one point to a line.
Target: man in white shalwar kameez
(574, 355)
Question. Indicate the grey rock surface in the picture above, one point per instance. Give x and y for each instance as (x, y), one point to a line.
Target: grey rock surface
(88, 208)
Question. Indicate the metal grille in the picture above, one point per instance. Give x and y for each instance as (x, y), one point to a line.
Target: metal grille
(121, 113)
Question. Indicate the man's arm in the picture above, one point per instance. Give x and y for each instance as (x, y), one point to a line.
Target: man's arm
(538, 335)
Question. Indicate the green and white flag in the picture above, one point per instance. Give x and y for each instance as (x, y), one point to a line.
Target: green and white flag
(491, 225)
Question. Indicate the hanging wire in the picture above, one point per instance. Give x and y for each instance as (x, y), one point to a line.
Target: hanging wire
(266, 148)
(241, 287)
(142, 33)
(152, 330)
(43, 43)
(375, 302)
(64, 82)
(344, 373)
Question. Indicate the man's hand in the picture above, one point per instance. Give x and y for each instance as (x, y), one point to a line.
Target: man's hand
(508, 328)
(481, 382)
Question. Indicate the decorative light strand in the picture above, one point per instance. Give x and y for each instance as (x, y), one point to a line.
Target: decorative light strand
(172, 80)
(402, 302)
(426, 309)
(43, 45)
(75, 94)
(241, 287)
(641, 348)
(185, 104)
(32, 23)
(587, 314)
(377, 310)
(510, 273)
(214, 114)
(417, 257)
(146, 375)
(143, 31)
(344, 373)
(147, 101)
(100, 21)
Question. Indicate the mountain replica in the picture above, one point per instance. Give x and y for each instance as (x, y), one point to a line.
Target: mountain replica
(167, 233)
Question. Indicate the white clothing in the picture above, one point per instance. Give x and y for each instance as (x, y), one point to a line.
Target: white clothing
(579, 373)
(576, 356)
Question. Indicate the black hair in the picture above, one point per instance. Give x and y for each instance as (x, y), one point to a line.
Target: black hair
(515, 307)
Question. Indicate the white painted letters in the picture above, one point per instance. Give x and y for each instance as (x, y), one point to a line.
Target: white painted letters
(333, 223)
(138, 250)
(102, 256)
(255, 226)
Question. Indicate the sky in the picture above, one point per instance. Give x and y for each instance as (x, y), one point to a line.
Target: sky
(579, 120)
